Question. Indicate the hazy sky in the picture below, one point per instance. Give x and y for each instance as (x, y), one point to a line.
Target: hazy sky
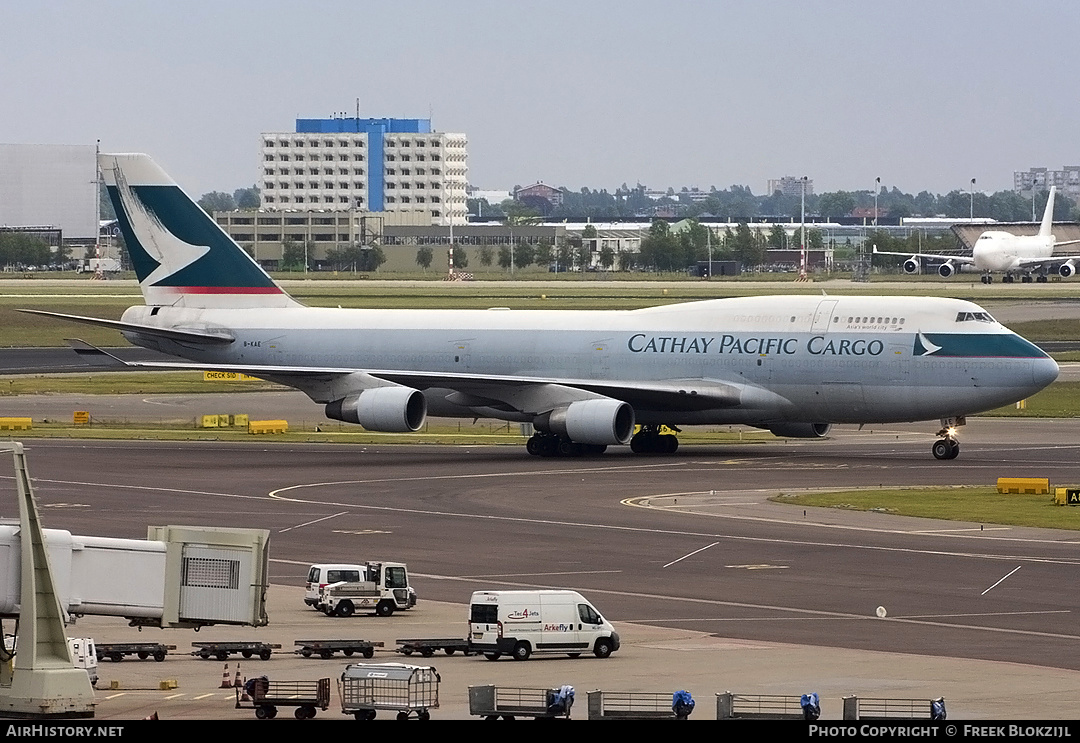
(922, 94)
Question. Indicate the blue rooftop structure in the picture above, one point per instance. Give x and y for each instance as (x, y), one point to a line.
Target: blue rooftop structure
(368, 126)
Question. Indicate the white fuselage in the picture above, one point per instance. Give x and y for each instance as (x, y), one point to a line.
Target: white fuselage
(1003, 251)
(829, 359)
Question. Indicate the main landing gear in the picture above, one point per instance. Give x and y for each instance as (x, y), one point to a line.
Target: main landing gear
(552, 445)
(1027, 278)
(947, 447)
(649, 440)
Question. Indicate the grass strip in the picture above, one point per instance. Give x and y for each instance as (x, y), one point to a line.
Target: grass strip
(980, 505)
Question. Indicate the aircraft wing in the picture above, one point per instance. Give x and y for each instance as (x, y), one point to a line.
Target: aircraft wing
(962, 259)
(506, 392)
(1050, 261)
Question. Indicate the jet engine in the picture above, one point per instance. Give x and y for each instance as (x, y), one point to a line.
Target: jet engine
(590, 422)
(389, 409)
(801, 430)
(1067, 269)
(946, 269)
(912, 265)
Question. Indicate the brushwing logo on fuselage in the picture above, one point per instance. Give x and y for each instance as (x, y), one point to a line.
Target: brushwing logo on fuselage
(923, 346)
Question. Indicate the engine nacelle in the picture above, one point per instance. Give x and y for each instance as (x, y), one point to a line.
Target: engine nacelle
(1067, 269)
(912, 265)
(388, 409)
(801, 430)
(591, 422)
(946, 269)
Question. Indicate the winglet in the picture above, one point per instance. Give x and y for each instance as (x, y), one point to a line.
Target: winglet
(93, 354)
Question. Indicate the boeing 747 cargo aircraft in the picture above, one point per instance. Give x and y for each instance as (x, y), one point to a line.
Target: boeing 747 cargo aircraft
(1031, 257)
(585, 379)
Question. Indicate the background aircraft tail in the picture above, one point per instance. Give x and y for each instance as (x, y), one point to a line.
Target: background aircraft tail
(181, 256)
(1045, 229)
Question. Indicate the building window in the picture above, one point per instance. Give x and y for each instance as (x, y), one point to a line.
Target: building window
(299, 158)
(358, 158)
(268, 199)
(328, 143)
(270, 158)
(358, 185)
(390, 158)
(405, 171)
(298, 143)
(391, 171)
(358, 171)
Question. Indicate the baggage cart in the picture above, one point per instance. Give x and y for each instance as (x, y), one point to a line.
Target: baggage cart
(428, 647)
(222, 650)
(265, 696)
(326, 648)
(365, 688)
(117, 651)
(492, 702)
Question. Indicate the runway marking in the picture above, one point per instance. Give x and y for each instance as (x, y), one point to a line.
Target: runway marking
(691, 554)
(361, 532)
(686, 620)
(487, 576)
(276, 494)
(1002, 578)
(174, 696)
(201, 696)
(989, 614)
(116, 696)
(758, 567)
(949, 531)
(314, 521)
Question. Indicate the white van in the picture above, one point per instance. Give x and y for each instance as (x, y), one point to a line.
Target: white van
(323, 574)
(520, 623)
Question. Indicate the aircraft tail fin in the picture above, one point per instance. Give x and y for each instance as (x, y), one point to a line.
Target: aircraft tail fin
(181, 256)
(1046, 227)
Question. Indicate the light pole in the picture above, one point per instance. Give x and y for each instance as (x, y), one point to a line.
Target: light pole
(877, 190)
(802, 239)
(971, 209)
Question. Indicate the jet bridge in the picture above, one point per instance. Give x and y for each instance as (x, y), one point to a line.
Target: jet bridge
(178, 577)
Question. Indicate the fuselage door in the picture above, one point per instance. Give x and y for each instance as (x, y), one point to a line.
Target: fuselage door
(823, 316)
(459, 352)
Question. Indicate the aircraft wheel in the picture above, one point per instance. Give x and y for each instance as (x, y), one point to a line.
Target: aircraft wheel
(945, 449)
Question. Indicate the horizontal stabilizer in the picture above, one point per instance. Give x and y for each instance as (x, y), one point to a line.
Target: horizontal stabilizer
(215, 337)
(94, 355)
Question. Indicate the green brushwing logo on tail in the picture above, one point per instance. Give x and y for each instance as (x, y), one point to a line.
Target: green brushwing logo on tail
(166, 233)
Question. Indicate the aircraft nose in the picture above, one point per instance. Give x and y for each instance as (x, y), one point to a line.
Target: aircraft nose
(1043, 372)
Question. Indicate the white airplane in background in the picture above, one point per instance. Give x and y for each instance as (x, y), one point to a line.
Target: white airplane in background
(1013, 255)
(585, 379)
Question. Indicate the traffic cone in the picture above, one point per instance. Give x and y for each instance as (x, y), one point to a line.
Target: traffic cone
(236, 680)
(225, 683)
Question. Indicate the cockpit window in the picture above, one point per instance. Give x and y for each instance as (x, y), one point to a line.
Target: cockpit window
(976, 316)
